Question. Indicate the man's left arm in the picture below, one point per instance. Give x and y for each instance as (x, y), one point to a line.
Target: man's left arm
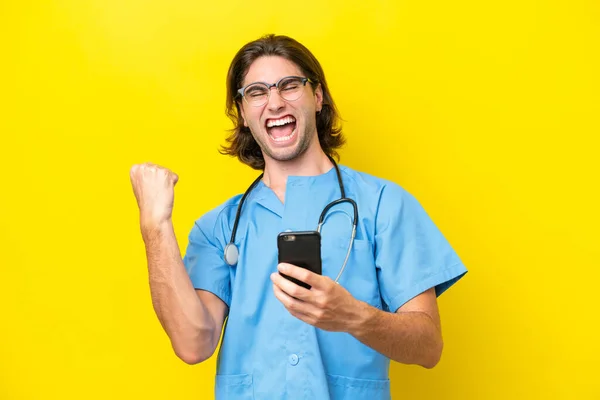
(411, 335)
(414, 263)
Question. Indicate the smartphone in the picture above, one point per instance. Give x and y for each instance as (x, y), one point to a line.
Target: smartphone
(302, 249)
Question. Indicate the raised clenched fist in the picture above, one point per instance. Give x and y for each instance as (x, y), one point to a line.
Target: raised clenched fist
(153, 187)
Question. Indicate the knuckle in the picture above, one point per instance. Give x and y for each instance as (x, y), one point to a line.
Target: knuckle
(151, 167)
(318, 315)
(293, 291)
(328, 289)
(321, 302)
(303, 275)
(292, 305)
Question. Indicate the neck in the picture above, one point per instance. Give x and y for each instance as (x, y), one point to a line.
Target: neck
(310, 163)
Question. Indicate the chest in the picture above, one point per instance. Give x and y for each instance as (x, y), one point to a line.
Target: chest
(301, 212)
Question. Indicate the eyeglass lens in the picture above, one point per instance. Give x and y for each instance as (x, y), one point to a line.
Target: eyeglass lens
(289, 88)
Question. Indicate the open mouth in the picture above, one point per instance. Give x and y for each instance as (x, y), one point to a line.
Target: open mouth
(281, 129)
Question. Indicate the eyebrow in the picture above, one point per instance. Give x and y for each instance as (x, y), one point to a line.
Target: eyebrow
(263, 81)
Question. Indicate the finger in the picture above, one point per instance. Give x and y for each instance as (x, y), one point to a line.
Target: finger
(132, 173)
(133, 170)
(290, 303)
(290, 288)
(303, 317)
(302, 274)
(144, 169)
(299, 309)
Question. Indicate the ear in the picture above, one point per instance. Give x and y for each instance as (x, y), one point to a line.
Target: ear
(242, 114)
(319, 97)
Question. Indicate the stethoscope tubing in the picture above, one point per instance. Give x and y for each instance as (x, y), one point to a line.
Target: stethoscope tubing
(231, 252)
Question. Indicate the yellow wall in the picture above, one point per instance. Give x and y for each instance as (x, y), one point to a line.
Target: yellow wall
(487, 112)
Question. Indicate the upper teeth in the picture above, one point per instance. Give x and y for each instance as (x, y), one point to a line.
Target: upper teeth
(279, 122)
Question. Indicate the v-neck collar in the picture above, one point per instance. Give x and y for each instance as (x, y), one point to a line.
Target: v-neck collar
(267, 198)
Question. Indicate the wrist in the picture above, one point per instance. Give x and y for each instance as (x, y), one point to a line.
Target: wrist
(152, 229)
(364, 318)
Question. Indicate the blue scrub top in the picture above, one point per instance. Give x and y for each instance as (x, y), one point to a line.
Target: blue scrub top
(266, 353)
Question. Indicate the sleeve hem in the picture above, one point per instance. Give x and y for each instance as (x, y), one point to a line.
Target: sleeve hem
(221, 293)
(449, 275)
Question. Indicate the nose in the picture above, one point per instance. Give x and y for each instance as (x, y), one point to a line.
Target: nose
(275, 101)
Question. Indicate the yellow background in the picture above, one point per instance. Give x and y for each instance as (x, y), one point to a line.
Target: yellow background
(488, 112)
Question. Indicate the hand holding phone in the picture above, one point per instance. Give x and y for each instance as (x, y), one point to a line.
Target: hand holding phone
(302, 249)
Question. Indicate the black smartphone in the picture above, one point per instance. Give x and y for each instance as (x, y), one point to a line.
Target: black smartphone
(302, 249)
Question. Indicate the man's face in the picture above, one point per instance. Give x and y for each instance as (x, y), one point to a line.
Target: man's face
(283, 129)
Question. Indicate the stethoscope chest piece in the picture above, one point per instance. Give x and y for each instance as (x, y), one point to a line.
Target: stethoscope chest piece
(231, 254)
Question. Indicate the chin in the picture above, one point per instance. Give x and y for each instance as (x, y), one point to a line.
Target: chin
(284, 154)
(284, 150)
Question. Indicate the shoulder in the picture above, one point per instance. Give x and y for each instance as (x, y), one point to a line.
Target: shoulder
(219, 213)
(381, 190)
(216, 224)
(384, 202)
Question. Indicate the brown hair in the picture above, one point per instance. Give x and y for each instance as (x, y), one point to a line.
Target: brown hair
(241, 143)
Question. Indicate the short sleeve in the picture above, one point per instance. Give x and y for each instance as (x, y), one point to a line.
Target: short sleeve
(411, 253)
(204, 258)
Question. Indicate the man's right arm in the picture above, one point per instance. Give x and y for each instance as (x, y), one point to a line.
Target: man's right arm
(193, 319)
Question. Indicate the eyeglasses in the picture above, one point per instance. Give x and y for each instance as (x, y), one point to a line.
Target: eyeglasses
(290, 88)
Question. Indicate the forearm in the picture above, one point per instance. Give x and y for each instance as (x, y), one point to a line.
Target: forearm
(184, 318)
(406, 337)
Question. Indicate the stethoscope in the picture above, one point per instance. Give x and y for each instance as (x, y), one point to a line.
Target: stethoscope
(231, 252)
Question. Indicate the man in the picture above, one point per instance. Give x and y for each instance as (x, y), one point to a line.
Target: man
(281, 340)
